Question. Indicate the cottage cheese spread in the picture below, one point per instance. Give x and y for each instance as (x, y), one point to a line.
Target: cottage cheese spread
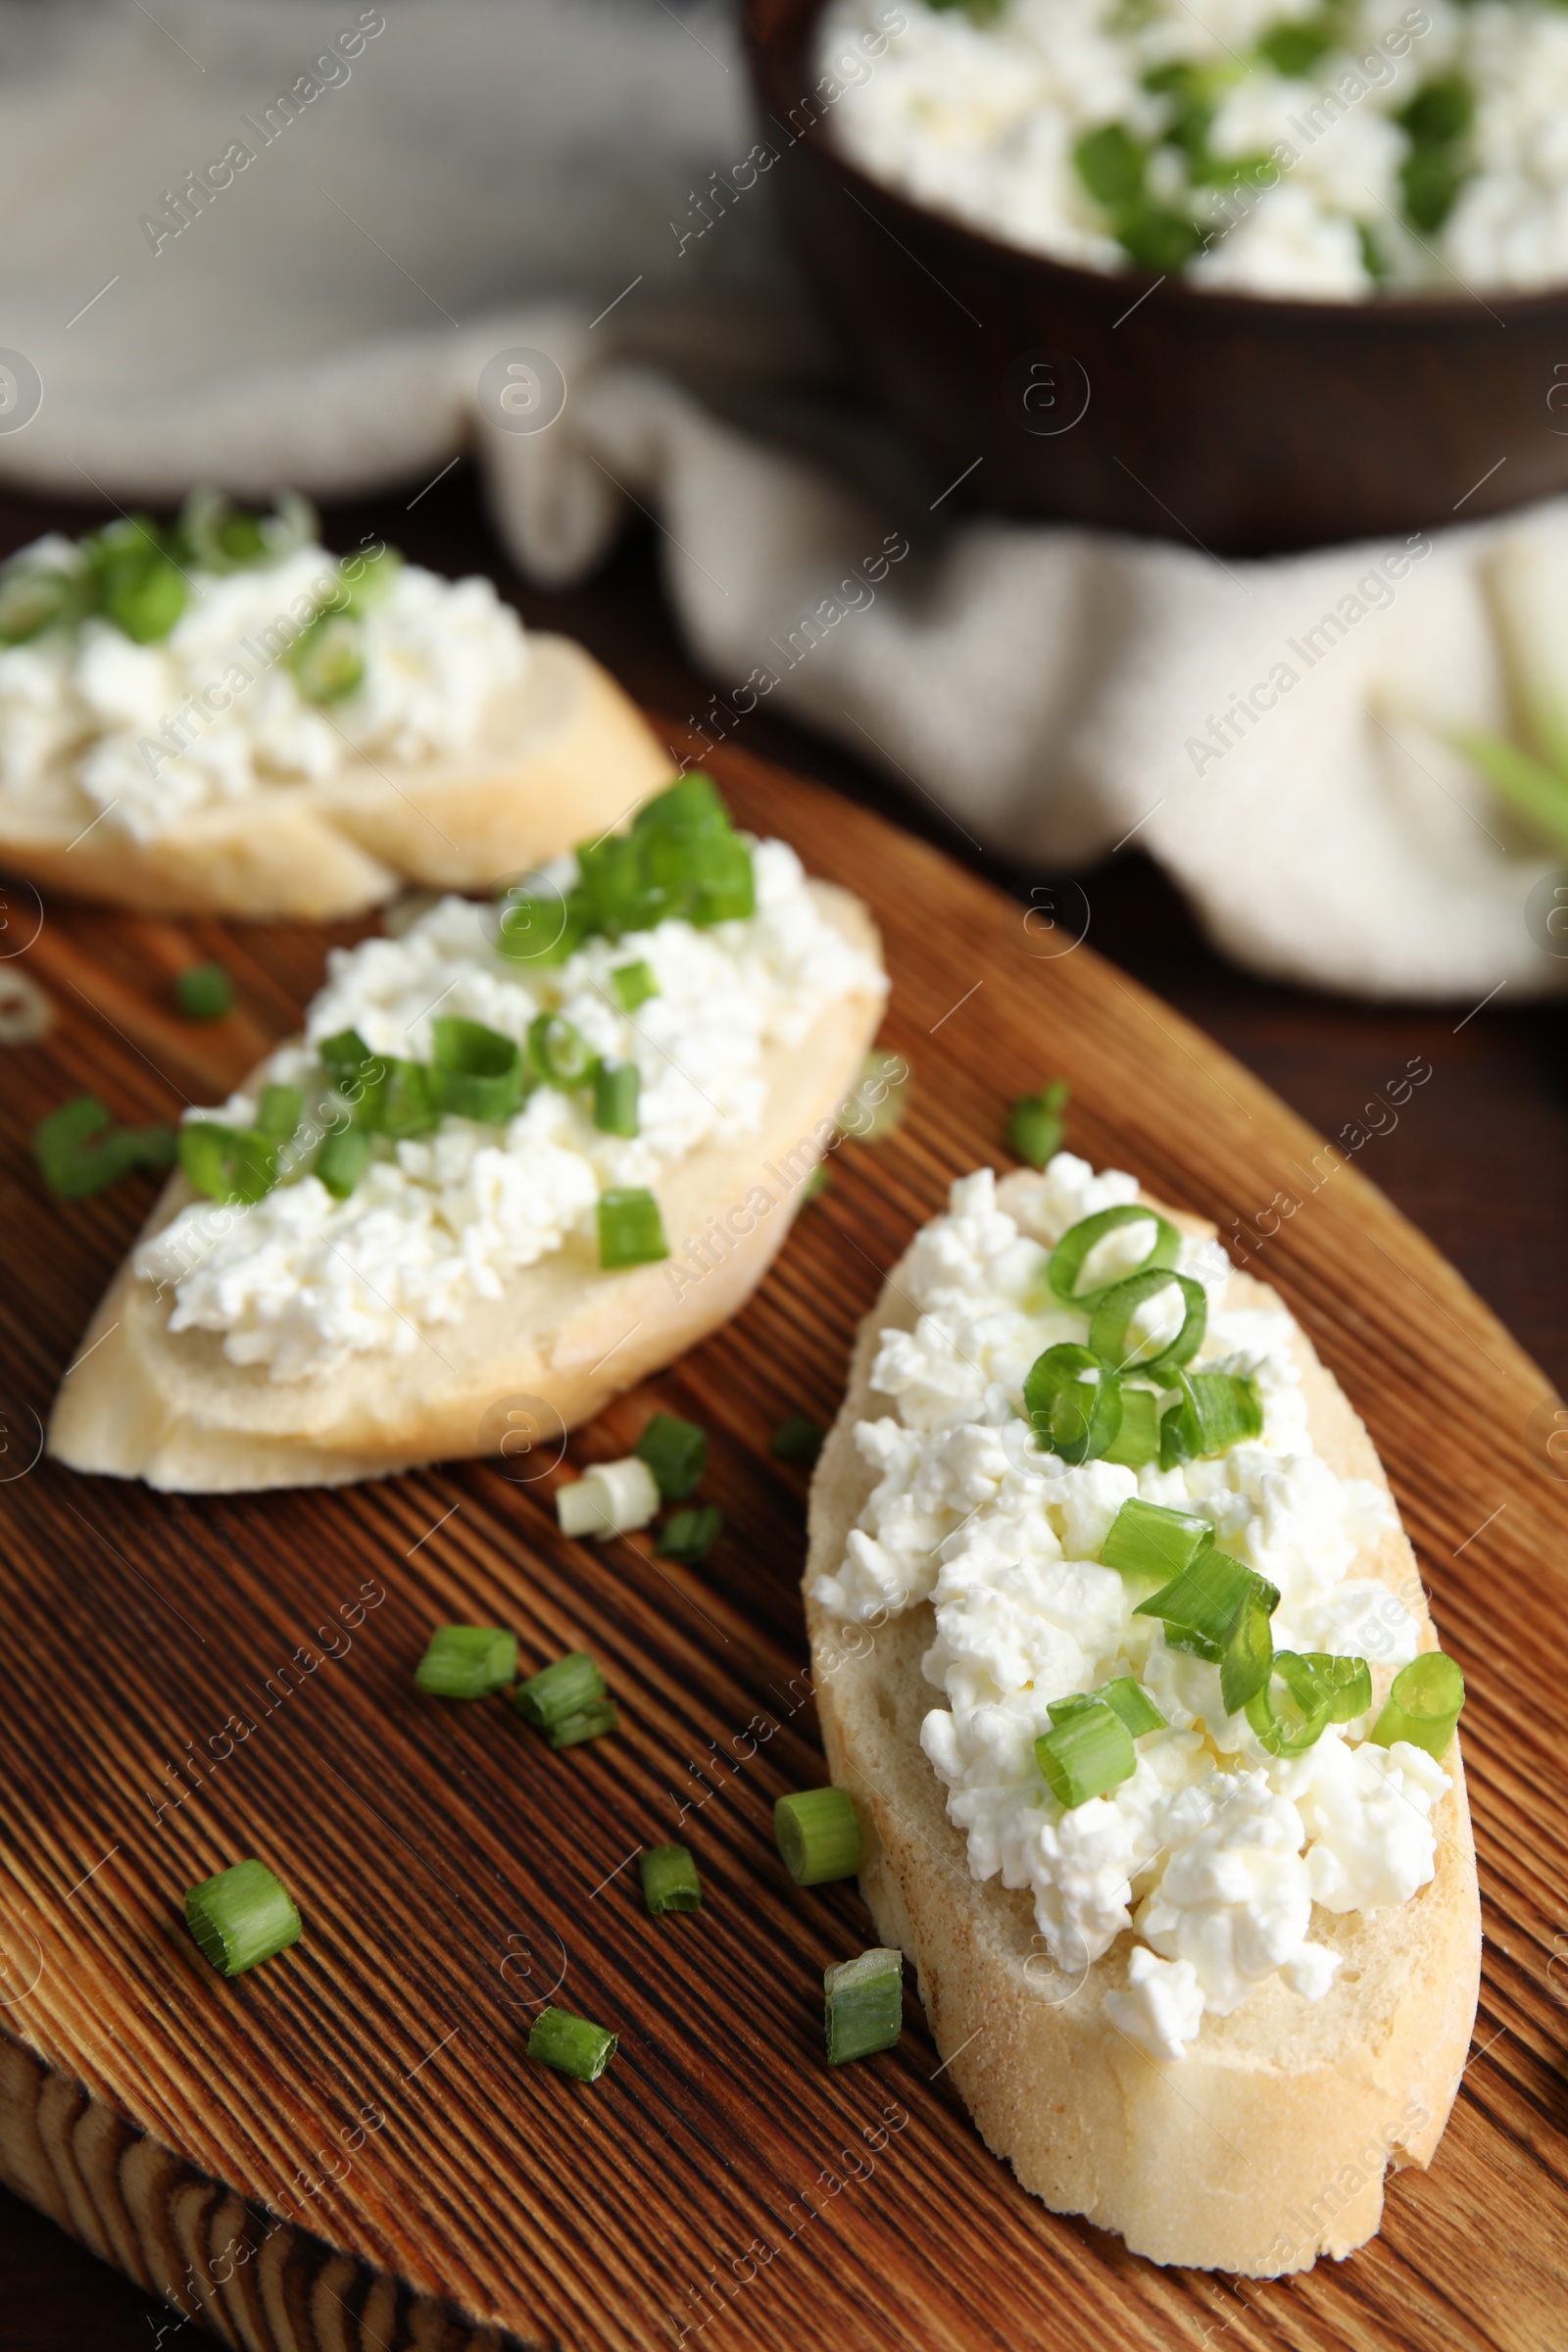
(1214, 1851)
(152, 732)
(301, 1281)
(979, 115)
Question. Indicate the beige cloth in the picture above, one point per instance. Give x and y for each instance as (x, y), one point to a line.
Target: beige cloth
(450, 181)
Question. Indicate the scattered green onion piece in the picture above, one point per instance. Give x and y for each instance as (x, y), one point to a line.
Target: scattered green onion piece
(1111, 1330)
(344, 1055)
(1290, 1727)
(1146, 1539)
(329, 658)
(1137, 1440)
(559, 1053)
(1067, 1260)
(1109, 162)
(542, 930)
(231, 1164)
(241, 1917)
(560, 1690)
(1073, 1402)
(79, 1149)
(676, 1451)
(1036, 1122)
(1293, 48)
(277, 1114)
(608, 1500)
(33, 598)
(403, 1101)
(478, 1073)
(796, 1439)
(1200, 1606)
(618, 1086)
(1127, 1697)
(669, 1880)
(818, 1836)
(689, 1535)
(863, 2004)
(1216, 1411)
(468, 1661)
(1249, 1657)
(1423, 1705)
(139, 588)
(1347, 1681)
(633, 984)
(876, 1106)
(205, 992)
(1088, 1750)
(631, 1231)
(589, 1723)
(818, 1182)
(342, 1161)
(680, 857)
(375, 579)
(571, 2045)
(218, 537)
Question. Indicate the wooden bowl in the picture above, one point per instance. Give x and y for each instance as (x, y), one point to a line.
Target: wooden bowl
(1245, 426)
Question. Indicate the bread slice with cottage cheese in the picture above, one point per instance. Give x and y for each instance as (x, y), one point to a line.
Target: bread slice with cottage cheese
(562, 1338)
(1267, 2142)
(562, 755)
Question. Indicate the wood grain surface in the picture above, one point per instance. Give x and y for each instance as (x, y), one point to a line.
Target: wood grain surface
(348, 2147)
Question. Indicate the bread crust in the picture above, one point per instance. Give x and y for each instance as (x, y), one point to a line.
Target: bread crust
(561, 758)
(1267, 2144)
(145, 1402)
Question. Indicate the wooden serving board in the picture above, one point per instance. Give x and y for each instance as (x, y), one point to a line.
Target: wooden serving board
(348, 2148)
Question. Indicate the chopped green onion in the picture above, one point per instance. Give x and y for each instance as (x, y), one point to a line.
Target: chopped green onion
(139, 588)
(1148, 1540)
(1294, 49)
(33, 598)
(403, 1101)
(669, 1880)
(222, 538)
(1199, 1607)
(559, 1053)
(1067, 1260)
(676, 1451)
(79, 1149)
(1137, 1440)
(818, 1836)
(343, 1056)
(205, 992)
(1127, 1697)
(1073, 1402)
(796, 1439)
(1347, 1681)
(1248, 1658)
(690, 1534)
(478, 1072)
(329, 658)
(376, 578)
(277, 1114)
(589, 1723)
(231, 1164)
(1109, 162)
(631, 1231)
(633, 984)
(1110, 1333)
(1088, 1750)
(618, 1086)
(342, 1161)
(1217, 1411)
(1036, 1122)
(863, 2004)
(241, 1917)
(468, 1661)
(1291, 1728)
(876, 1106)
(1423, 1704)
(560, 1690)
(571, 2045)
(542, 930)
(818, 1182)
(610, 1500)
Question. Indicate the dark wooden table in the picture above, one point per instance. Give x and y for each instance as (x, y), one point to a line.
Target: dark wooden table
(1476, 1158)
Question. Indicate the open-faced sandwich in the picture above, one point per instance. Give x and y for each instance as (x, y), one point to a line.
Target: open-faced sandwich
(529, 1148)
(1125, 1659)
(223, 718)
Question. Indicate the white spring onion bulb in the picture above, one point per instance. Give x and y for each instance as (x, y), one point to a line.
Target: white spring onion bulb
(610, 1499)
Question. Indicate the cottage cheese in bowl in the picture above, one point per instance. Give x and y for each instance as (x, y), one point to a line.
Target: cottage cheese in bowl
(1270, 147)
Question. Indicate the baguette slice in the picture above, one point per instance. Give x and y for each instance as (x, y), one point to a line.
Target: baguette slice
(563, 755)
(171, 1408)
(1266, 2143)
